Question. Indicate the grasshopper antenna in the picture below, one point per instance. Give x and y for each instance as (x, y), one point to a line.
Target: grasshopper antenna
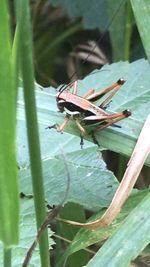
(64, 87)
(51, 215)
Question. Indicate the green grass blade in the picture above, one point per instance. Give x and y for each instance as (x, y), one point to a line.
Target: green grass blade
(128, 32)
(9, 207)
(141, 11)
(15, 59)
(117, 28)
(32, 128)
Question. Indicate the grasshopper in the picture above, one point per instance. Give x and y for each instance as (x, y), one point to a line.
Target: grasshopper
(82, 108)
(84, 112)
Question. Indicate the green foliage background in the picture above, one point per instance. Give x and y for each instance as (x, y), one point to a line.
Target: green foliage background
(92, 185)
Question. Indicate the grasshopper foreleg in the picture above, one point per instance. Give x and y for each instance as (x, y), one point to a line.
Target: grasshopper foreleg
(60, 128)
(82, 130)
(81, 142)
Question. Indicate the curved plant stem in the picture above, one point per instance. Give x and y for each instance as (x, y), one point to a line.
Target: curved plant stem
(135, 164)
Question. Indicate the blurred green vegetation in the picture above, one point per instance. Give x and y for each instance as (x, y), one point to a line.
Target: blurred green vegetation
(65, 32)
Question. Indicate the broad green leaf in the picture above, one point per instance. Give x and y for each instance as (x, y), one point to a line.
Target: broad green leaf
(128, 241)
(134, 95)
(9, 206)
(141, 11)
(85, 238)
(91, 185)
(27, 236)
